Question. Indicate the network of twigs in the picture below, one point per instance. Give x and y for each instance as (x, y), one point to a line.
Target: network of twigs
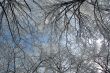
(11, 9)
(10, 13)
(62, 10)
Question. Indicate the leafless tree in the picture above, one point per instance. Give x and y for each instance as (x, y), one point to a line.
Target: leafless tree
(76, 33)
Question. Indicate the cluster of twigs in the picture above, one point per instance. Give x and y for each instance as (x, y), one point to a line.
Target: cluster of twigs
(11, 10)
(62, 9)
(14, 14)
(72, 9)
